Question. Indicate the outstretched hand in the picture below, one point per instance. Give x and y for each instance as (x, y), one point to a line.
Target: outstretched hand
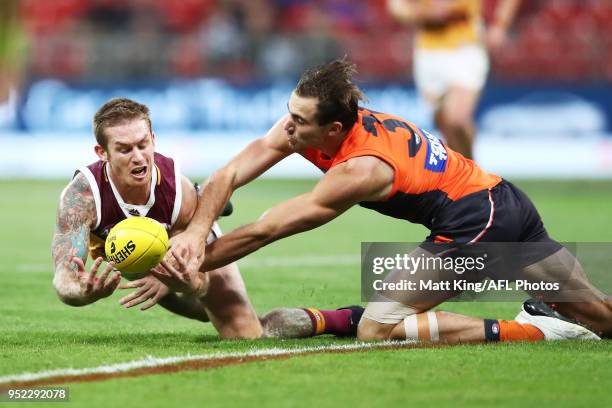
(96, 287)
(182, 278)
(149, 288)
(190, 247)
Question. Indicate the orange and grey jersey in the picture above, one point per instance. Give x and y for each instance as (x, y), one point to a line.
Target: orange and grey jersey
(428, 175)
(164, 204)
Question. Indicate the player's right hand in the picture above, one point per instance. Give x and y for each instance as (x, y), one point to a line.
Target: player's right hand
(181, 279)
(190, 246)
(96, 287)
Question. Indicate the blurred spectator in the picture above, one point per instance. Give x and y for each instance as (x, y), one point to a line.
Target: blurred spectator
(223, 37)
(286, 55)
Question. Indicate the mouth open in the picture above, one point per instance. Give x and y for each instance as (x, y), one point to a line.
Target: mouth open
(139, 172)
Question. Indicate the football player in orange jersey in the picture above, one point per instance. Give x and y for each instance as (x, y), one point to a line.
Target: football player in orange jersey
(391, 166)
(450, 58)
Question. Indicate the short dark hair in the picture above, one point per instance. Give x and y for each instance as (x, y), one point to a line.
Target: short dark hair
(332, 84)
(115, 112)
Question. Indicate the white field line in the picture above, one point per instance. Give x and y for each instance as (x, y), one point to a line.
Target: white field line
(264, 262)
(151, 361)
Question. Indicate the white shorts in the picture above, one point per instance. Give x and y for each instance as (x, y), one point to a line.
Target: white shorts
(387, 311)
(215, 232)
(435, 71)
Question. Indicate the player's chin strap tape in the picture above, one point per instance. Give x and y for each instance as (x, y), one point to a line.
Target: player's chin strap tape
(422, 326)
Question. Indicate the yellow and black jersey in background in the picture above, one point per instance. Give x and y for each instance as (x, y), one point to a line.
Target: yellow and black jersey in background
(464, 28)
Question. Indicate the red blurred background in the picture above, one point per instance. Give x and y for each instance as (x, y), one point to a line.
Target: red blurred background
(246, 40)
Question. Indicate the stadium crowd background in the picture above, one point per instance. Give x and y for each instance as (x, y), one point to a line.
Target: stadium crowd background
(215, 70)
(246, 40)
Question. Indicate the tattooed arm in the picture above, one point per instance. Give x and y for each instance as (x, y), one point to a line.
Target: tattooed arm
(76, 216)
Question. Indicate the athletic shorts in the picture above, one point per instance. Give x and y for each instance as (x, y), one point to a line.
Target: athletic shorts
(501, 214)
(480, 223)
(436, 71)
(214, 234)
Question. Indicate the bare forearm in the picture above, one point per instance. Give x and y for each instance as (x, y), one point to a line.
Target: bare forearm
(215, 195)
(75, 215)
(249, 238)
(69, 288)
(286, 219)
(234, 246)
(65, 280)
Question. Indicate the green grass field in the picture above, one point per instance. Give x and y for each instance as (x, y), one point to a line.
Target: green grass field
(319, 268)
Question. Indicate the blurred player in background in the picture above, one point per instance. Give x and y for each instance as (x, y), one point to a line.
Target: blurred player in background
(131, 179)
(450, 59)
(386, 164)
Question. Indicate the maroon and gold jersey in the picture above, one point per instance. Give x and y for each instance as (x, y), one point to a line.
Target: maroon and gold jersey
(428, 175)
(164, 204)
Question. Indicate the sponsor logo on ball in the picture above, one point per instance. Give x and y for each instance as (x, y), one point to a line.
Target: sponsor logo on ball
(123, 253)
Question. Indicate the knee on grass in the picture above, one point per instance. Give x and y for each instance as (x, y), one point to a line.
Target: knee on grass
(240, 330)
(372, 330)
(237, 323)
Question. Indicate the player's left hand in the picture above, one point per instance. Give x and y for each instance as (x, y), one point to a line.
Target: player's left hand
(149, 289)
(182, 278)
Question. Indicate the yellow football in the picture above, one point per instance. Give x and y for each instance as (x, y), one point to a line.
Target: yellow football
(135, 245)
